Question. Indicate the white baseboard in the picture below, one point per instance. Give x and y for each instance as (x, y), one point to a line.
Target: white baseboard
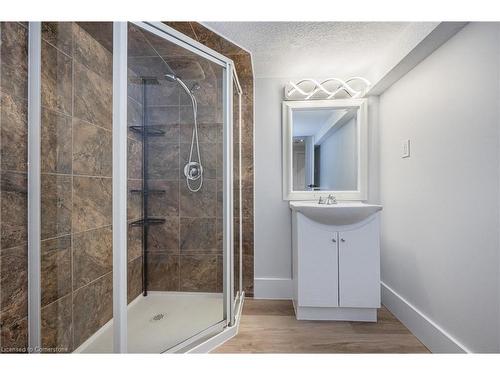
(435, 338)
(335, 313)
(273, 288)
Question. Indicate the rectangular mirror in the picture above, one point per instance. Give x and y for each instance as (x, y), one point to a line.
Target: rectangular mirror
(324, 149)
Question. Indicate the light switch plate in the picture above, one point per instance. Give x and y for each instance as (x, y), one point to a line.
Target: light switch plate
(405, 148)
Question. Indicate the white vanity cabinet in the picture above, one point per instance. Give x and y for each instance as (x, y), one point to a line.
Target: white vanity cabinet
(359, 265)
(336, 269)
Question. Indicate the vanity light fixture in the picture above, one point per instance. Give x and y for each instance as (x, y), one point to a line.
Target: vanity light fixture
(308, 89)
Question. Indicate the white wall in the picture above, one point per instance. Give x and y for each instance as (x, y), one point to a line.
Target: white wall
(339, 159)
(273, 248)
(273, 252)
(440, 222)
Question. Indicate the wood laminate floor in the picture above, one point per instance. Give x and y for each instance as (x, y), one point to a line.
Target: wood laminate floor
(269, 326)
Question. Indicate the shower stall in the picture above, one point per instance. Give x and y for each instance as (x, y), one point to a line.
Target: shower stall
(133, 189)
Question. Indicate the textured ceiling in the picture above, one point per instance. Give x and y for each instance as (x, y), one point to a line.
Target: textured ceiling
(313, 49)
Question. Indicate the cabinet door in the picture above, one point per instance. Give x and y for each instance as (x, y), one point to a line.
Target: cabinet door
(359, 266)
(317, 265)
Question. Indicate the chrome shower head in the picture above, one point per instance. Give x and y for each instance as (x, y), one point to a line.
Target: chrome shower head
(171, 77)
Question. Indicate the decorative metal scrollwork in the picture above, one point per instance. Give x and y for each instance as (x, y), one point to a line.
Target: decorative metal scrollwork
(331, 88)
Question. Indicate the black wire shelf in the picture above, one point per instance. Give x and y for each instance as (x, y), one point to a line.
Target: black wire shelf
(147, 222)
(147, 192)
(149, 130)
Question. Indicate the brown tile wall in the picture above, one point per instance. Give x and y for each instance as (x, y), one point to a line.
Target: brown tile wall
(184, 253)
(13, 187)
(243, 64)
(76, 166)
(76, 186)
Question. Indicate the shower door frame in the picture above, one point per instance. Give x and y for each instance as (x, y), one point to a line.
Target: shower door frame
(119, 218)
(34, 189)
(240, 294)
(120, 56)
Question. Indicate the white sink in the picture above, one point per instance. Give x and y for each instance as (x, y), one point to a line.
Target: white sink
(342, 213)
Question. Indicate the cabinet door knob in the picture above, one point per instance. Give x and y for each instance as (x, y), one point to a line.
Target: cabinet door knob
(334, 240)
(342, 240)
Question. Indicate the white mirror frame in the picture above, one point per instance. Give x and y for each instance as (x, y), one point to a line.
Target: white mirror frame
(361, 192)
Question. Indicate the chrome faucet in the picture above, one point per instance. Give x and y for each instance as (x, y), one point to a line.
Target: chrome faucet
(329, 200)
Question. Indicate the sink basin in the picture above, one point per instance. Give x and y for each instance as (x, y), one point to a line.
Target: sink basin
(342, 213)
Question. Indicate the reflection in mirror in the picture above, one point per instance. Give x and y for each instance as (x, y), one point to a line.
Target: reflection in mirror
(325, 149)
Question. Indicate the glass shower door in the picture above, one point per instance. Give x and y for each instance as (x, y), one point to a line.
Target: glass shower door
(175, 191)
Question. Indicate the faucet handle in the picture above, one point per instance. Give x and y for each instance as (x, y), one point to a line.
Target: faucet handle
(321, 201)
(332, 199)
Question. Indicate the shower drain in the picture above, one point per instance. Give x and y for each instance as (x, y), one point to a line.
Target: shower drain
(157, 317)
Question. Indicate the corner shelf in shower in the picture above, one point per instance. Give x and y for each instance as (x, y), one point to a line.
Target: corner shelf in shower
(147, 221)
(146, 131)
(147, 192)
(149, 130)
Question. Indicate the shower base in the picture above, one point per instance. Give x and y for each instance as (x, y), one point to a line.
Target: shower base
(160, 321)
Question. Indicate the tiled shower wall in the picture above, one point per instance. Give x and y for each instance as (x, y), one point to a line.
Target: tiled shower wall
(76, 191)
(13, 186)
(76, 168)
(185, 252)
(76, 185)
(243, 64)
